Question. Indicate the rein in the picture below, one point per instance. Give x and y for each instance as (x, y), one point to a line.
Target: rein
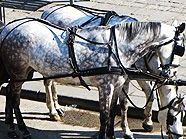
(105, 14)
(170, 118)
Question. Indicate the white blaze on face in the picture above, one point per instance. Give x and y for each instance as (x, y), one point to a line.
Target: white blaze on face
(176, 127)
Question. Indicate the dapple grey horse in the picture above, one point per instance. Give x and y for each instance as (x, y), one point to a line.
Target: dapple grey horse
(74, 15)
(100, 53)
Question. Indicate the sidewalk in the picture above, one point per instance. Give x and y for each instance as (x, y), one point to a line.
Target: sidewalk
(37, 120)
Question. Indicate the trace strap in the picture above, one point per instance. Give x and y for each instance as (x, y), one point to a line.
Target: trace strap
(72, 57)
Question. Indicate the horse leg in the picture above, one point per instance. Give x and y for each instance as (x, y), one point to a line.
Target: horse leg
(55, 99)
(9, 120)
(147, 123)
(113, 108)
(49, 101)
(15, 90)
(124, 107)
(103, 115)
(104, 96)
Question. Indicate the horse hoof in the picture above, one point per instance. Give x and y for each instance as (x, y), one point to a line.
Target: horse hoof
(147, 127)
(55, 117)
(111, 137)
(13, 135)
(60, 112)
(101, 136)
(128, 137)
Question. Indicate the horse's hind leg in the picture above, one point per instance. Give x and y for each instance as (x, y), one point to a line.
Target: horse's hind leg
(50, 102)
(9, 120)
(55, 99)
(147, 123)
(12, 103)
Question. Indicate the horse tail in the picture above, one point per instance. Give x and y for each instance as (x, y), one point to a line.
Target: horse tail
(3, 73)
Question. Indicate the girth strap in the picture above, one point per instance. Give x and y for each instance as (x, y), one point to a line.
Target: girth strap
(72, 57)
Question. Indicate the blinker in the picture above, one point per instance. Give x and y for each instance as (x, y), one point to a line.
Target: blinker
(170, 118)
(179, 50)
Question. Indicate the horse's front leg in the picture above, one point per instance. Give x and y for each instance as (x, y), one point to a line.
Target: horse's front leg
(147, 123)
(113, 108)
(55, 99)
(49, 101)
(124, 107)
(104, 101)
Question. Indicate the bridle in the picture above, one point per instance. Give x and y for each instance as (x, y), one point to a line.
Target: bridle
(171, 119)
(178, 50)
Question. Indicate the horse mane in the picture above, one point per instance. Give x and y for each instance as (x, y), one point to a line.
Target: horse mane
(132, 30)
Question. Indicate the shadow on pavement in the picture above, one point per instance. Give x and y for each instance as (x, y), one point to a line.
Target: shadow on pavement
(62, 133)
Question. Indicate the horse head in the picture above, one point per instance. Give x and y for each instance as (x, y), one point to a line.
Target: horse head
(169, 56)
(171, 104)
(173, 114)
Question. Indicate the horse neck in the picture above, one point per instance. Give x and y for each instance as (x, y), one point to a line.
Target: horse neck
(135, 39)
(167, 93)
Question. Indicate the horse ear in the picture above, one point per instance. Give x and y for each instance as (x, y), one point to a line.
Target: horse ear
(181, 28)
(184, 103)
(175, 23)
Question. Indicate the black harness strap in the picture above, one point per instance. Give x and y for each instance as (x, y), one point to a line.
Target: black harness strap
(116, 54)
(89, 21)
(147, 58)
(72, 58)
(107, 17)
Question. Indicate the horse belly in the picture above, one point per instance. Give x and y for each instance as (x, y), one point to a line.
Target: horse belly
(75, 81)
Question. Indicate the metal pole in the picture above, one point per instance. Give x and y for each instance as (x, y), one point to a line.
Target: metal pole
(1, 15)
(71, 2)
(2, 12)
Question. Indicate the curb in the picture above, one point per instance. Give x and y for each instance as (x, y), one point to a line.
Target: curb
(83, 104)
(78, 103)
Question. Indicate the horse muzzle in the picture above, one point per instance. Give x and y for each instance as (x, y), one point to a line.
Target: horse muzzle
(171, 136)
